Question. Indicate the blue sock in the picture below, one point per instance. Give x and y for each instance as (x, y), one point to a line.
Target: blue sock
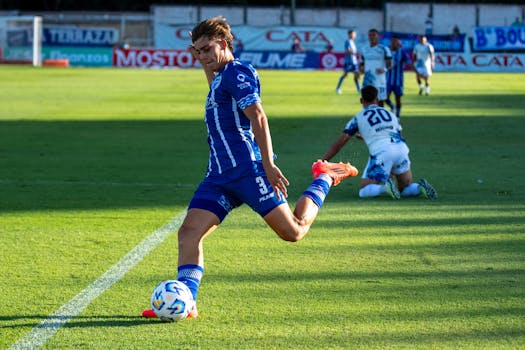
(318, 189)
(340, 82)
(191, 276)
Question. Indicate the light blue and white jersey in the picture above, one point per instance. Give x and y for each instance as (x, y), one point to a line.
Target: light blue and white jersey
(395, 75)
(423, 58)
(377, 126)
(373, 58)
(423, 53)
(350, 58)
(230, 137)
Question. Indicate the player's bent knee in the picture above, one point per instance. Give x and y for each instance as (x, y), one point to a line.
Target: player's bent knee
(290, 235)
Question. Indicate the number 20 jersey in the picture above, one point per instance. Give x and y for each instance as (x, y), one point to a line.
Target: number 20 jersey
(377, 126)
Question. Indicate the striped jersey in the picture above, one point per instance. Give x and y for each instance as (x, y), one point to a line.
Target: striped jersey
(395, 75)
(230, 137)
(350, 58)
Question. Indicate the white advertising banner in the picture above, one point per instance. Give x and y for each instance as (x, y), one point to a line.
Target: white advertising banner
(315, 39)
(480, 62)
(499, 38)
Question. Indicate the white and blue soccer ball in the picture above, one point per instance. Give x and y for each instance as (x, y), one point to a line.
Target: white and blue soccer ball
(172, 301)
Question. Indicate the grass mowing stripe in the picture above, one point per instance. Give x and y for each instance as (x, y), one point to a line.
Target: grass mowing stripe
(37, 336)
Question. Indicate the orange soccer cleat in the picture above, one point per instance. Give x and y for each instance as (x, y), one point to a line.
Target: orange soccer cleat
(149, 313)
(337, 171)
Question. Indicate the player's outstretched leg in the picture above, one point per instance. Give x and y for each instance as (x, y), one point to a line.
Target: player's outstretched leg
(337, 171)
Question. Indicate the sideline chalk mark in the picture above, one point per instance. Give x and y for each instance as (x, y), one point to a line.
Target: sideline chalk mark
(39, 334)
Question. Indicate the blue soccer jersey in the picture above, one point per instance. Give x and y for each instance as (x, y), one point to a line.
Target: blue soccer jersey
(230, 137)
(395, 75)
(350, 58)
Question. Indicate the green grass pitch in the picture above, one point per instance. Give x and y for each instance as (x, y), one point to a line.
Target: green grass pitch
(92, 161)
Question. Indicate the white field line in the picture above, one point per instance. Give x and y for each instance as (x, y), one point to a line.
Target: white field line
(91, 183)
(39, 334)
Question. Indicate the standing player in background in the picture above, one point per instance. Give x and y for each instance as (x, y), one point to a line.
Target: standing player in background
(241, 167)
(351, 62)
(424, 62)
(395, 76)
(381, 131)
(376, 59)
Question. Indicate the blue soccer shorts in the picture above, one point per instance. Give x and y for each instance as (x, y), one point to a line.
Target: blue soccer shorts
(350, 67)
(398, 90)
(250, 186)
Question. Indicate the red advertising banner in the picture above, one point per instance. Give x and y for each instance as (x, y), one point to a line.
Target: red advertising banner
(147, 58)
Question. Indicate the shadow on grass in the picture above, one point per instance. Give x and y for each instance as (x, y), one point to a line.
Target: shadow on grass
(77, 321)
(112, 164)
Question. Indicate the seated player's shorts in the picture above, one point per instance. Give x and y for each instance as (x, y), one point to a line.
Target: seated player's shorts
(396, 89)
(250, 186)
(350, 67)
(391, 159)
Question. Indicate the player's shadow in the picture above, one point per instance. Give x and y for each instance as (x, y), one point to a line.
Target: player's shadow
(74, 322)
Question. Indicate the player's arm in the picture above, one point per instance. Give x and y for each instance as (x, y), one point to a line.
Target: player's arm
(261, 131)
(388, 63)
(349, 49)
(414, 60)
(432, 57)
(337, 145)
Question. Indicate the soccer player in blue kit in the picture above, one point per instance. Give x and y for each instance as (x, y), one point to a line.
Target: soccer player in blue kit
(241, 167)
(395, 77)
(351, 62)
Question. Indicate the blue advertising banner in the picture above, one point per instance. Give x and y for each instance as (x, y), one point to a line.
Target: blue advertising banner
(441, 43)
(281, 59)
(65, 36)
(499, 39)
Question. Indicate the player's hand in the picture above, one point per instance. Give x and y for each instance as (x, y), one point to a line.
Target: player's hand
(278, 181)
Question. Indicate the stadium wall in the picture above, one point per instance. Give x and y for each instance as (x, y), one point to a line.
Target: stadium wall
(161, 35)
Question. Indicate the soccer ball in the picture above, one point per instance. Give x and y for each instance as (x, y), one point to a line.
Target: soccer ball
(172, 301)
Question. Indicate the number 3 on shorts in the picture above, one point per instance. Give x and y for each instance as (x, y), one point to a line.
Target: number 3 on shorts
(262, 186)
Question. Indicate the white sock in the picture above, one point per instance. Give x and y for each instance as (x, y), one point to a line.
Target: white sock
(372, 190)
(428, 89)
(411, 190)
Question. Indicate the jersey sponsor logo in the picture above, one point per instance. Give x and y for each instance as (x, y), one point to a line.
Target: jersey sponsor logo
(389, 127)
(244, 84)
(223, 202)
(211, 104)
(266, 197)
